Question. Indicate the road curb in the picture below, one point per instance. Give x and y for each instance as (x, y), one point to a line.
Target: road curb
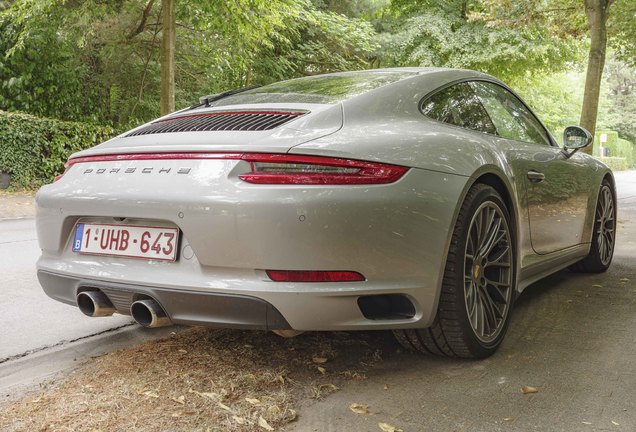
(26, 373)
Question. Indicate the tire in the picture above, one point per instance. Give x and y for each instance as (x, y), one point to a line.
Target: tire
(479, 283)
(604, 234)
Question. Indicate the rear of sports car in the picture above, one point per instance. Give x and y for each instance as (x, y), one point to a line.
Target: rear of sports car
(217, 216)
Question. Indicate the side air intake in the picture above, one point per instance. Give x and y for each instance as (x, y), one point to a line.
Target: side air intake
(220, 121)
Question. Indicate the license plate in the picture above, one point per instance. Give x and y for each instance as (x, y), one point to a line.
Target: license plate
(153, 243)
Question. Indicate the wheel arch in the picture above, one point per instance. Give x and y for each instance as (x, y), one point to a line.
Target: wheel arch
(492, 176)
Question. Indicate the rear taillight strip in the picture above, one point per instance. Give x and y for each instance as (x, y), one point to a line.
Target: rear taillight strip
(269, 168)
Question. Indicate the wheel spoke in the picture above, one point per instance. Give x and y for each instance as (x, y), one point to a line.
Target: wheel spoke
(498, 289)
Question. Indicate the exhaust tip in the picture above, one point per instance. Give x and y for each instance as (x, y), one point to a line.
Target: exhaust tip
(95, 304)
(149, 314)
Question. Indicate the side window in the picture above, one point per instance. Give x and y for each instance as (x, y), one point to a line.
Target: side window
(511, 118)
(458, 105)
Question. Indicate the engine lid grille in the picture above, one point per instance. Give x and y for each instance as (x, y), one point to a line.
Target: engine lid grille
(220, 121)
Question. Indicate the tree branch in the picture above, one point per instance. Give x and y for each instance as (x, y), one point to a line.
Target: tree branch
(144, 17)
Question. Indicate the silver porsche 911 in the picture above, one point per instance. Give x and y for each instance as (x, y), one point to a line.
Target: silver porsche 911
(417, 200)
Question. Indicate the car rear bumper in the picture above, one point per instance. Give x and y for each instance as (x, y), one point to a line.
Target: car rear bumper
(182, 306)
(231, 232)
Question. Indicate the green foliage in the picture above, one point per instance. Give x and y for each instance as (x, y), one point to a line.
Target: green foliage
(459, 34)
(98, 61)
(616, 147)
(622, 29)
(33, 150)
(615, 163)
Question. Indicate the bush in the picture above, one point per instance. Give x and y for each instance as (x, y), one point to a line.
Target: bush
(616, 147)
(615, 163)
(33, 149)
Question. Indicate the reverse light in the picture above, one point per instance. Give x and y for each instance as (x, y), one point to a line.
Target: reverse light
(314, 276)
(315, 170)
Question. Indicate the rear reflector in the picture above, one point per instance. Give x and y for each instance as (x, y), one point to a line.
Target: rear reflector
(314, 276)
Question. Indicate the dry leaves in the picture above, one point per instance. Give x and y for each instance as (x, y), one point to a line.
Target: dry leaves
(183, 413)
(179, 400)
(388, 428)
(528, 389)
(149, 393)
(224, 383)
(225, 407)
(359, 408)
(263, 423)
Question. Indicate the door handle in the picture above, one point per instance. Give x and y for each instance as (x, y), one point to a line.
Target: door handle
(536, 176)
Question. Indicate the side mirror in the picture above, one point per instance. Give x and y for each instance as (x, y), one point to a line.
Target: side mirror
(575, 138)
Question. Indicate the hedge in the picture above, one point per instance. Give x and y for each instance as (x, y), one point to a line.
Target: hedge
(616, 147)
(33, 149)
(615, 163)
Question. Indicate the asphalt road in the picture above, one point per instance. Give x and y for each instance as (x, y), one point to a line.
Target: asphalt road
(29, 320)
(572, 337)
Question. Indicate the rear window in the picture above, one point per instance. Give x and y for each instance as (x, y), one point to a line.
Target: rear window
(323, 89)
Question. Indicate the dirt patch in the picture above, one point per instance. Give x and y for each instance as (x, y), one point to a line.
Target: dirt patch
(200, 380)
(16, 205)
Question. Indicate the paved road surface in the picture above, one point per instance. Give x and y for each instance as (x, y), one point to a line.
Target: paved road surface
(572, 336)
(29, 320)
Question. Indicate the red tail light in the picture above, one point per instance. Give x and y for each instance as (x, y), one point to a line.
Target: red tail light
(314, 276)
(292, 169)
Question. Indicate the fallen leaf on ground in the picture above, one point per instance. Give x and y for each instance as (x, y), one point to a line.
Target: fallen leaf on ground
(179, 400)
(528, 389)
(239, 420)
(291, 416)
(148, 393)
(39, 400)
(385, 386)
(614, 423)
(322, 370)
(263, 423)
(182, 351)
(319, 360)
(183, 413)
(209, 395)
(388, 428)
(225, 407)
(274, 409)
(624, 280)
(586, 423)
(253, 401)
(359, 408)
(328, 386)
(597, 286)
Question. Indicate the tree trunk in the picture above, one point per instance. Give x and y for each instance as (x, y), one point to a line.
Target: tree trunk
(167, 56)
(597, 12)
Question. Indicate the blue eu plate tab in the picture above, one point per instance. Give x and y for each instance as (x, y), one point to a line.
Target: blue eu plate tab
(79, 234)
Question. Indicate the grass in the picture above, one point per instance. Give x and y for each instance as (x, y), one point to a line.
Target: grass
(199, 380)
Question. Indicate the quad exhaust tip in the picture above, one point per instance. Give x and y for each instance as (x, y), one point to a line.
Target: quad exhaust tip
(95, 304)
(148, 313)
